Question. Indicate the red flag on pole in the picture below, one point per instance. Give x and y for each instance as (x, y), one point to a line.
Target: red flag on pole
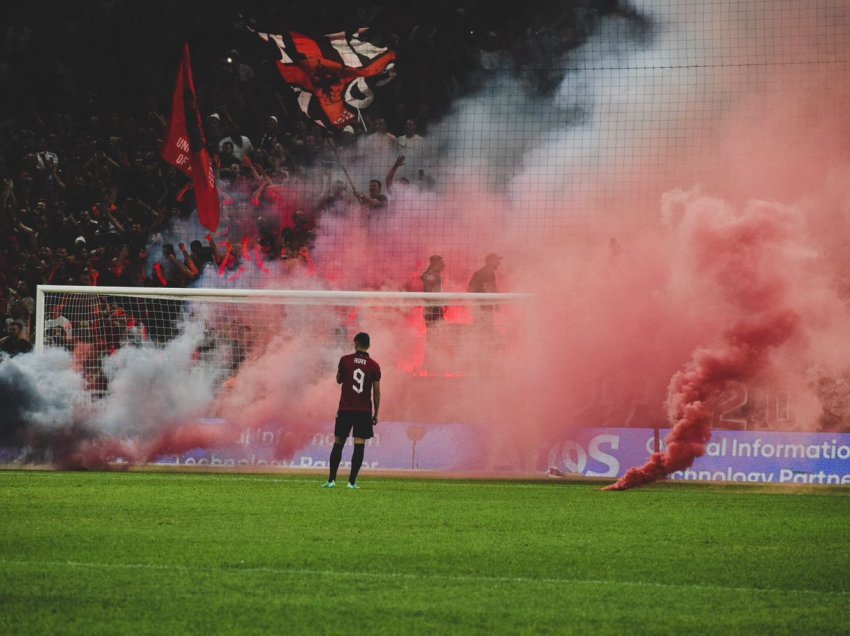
(185, 146)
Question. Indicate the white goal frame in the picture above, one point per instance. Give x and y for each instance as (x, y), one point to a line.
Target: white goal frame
(276, 296)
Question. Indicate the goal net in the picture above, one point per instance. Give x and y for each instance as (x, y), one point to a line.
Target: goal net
(139, 375)
(213, 349)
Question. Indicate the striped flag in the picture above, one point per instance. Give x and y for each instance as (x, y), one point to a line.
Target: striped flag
(333, 75)
(185, 148)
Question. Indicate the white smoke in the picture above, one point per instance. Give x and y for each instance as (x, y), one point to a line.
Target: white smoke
(151, 388)
(40, 391)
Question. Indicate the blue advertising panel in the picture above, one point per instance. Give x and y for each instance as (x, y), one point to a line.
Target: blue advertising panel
(396, 446)
(738, 456)
(731, 456)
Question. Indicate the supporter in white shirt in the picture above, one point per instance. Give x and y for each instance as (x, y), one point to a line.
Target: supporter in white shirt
(241, 144)
(410, 143)
(412, 146)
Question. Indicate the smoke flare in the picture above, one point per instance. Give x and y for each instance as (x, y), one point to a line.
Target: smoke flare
(743, 354)
(754, 262)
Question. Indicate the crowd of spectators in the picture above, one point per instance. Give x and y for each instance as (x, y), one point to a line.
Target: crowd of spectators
(85, 196)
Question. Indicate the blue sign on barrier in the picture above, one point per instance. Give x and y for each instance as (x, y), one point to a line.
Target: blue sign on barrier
(736, 456)
(742, 456)
(396, 446)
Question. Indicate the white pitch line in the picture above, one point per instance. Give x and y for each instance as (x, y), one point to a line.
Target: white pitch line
(383, 480)
(318, 479)
(414, 576)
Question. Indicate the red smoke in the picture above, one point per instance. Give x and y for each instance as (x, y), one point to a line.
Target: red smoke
(80, 449)
(743, 354)
(177, 440)
(95, 454)
(751, 262)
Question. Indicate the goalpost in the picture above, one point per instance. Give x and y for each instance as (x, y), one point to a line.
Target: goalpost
(449, 335)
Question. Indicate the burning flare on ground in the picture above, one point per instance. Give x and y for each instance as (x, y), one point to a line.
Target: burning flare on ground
(744, 353)
(752, 265)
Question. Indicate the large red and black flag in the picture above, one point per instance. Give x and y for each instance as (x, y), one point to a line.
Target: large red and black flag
(185, 146)
(333, 75)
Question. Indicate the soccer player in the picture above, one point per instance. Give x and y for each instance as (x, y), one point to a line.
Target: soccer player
(360, 377)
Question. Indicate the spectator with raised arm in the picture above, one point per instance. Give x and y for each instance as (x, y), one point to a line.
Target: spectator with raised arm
(375, 199)
(390, 179)
(169, 271)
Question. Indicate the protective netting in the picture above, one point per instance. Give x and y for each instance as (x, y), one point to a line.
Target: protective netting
(567, 136)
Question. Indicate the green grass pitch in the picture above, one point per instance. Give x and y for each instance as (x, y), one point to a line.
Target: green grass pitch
(159, 552)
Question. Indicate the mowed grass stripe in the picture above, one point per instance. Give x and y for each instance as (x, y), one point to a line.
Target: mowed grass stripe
(513, 580)
(310, 477)
(147, 552)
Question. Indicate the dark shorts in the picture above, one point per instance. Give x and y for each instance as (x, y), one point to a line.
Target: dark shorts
(360, 422)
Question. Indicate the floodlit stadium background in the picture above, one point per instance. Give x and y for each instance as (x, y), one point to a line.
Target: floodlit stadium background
(665, 178)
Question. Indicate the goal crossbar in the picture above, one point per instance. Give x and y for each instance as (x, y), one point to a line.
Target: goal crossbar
(279, 296)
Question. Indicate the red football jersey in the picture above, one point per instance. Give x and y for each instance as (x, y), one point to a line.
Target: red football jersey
(358, 372)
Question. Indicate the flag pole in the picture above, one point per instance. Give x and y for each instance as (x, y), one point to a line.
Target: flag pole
(341, 165)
